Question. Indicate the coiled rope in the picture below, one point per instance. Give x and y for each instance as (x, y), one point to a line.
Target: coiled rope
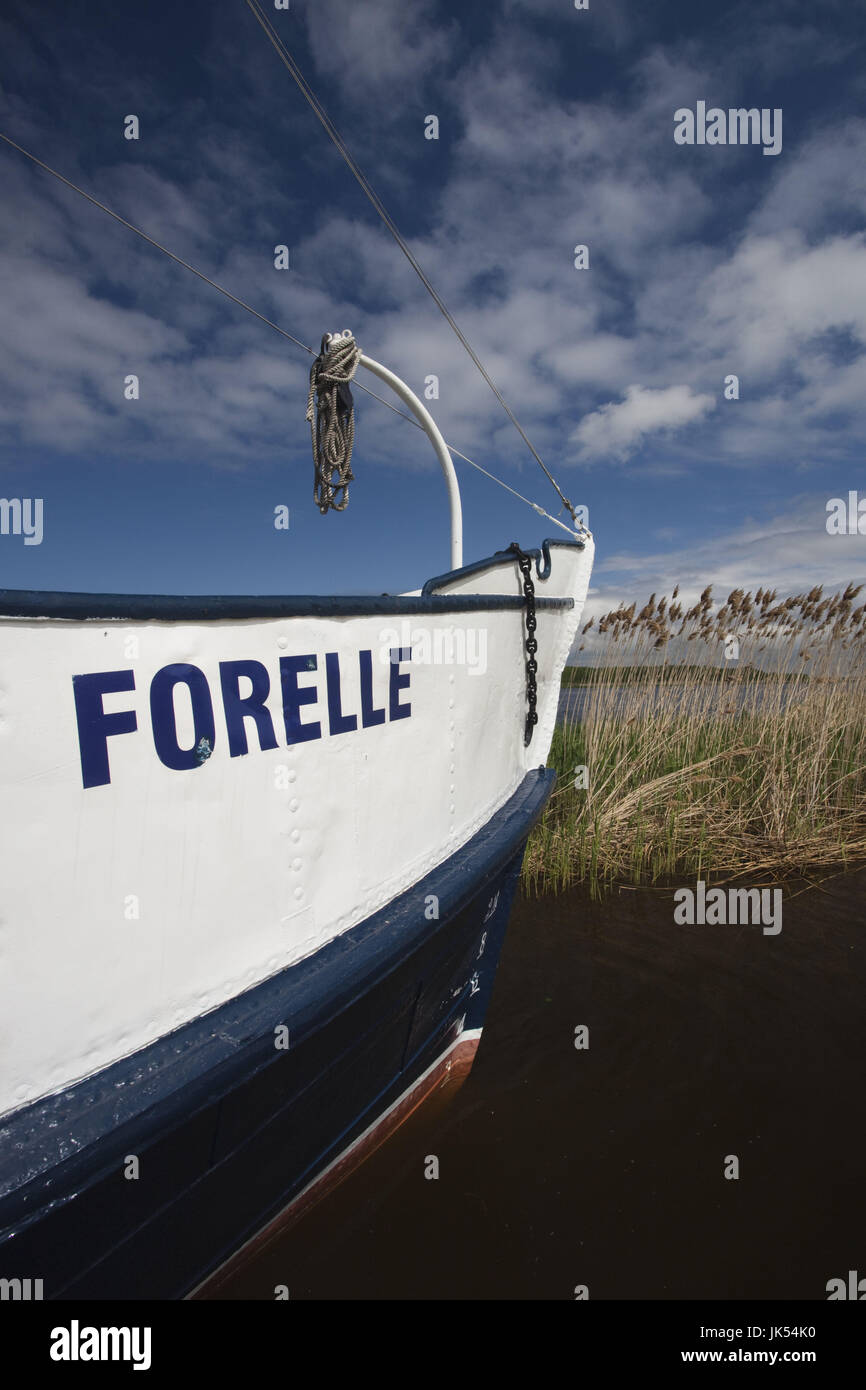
(331, 416)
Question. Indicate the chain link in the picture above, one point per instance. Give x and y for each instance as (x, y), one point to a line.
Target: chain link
(524, 562)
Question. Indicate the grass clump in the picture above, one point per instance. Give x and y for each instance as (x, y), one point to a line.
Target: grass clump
(734, 744)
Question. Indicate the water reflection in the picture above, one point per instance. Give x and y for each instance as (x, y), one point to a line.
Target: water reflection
(606, 1166)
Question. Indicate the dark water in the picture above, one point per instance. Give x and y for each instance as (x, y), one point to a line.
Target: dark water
(605, 1167)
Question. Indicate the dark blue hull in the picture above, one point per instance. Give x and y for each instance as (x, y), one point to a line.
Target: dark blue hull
(228, 1128)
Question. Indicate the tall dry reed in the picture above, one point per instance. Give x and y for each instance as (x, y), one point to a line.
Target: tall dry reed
(701, 762)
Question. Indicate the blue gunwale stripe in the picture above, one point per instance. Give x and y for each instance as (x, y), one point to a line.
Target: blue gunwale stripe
(36, 603)
(542, 557)
(39, 603)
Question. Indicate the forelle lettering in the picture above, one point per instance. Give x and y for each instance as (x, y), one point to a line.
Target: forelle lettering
(302, 681)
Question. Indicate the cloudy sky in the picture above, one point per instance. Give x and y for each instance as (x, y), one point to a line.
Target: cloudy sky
(556, 129)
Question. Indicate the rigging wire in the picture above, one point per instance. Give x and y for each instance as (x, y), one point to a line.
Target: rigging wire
(288, 61)
(262, 317)
(164, 249)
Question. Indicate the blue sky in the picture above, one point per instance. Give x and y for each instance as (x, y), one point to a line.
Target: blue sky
(556, 128)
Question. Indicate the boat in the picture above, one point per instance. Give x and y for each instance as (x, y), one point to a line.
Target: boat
(258, 859)
(256, 882)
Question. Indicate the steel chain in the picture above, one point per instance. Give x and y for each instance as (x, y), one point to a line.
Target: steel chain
(524, 562)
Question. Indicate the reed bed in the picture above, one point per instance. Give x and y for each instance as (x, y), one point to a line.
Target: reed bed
(718, 742)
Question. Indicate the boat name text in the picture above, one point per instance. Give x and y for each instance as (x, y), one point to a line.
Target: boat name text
(96, 725)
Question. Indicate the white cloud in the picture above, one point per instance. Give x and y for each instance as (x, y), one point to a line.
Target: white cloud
(786, 551)
(826, 180)
(385, 46)
(617, 429)
(777, 292)
(668, 302)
